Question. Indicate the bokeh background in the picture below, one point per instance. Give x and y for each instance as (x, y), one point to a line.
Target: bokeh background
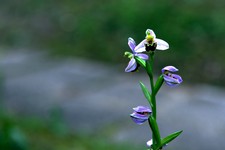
(62, 80)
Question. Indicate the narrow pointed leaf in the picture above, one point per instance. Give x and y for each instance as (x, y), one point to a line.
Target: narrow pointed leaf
(155, 130)
(149, 68)
(140, 61)
(146, 93)
(158, 84)
(169, 138)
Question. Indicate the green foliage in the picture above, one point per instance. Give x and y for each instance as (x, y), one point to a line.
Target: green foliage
(11, 137)
(158, 84)
(33, 134)
(155, 130)
(169, 138)
(140, 61)
(194, 29)
(146, 93)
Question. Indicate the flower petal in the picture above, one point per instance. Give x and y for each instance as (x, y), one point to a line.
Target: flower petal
(161, 44)
(151, 32)
(131, 66)
(171, 84)
(142, 56)
(178, 78)
(172, 79)
(140, 50)
(131, 43)
(142, 109)
(170, 69)
(138, 118)
(140, 46)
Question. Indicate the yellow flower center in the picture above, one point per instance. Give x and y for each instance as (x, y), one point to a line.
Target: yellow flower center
(150, 39)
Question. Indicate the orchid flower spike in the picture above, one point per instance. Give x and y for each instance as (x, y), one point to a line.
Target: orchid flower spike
(151, 43)
(170, 78)
(133, 65)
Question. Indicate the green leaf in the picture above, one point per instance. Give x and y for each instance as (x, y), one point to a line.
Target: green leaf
(169, 138)
(158, 84)
(155, 130)
(146, 93)
(140, 61)
(149, 68)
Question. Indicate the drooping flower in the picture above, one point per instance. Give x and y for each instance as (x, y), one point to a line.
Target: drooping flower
(170, 78)
(140, 114)
(151, 43)
(133, 65)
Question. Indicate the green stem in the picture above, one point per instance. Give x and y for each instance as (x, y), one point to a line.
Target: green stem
(149, 68)
(150, 73)
(155, 132)
(154, 138)
(154, 105)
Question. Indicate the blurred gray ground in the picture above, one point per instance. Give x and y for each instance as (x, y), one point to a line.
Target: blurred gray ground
(96, 98)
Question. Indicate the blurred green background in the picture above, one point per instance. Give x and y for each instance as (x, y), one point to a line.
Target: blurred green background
(98, 30)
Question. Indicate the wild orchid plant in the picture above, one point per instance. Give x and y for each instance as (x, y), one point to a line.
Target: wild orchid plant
(142, 55)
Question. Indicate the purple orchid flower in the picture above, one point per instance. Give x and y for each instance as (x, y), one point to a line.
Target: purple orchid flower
(151, 43)
(140, 114)
(171, 79)
(133, 65)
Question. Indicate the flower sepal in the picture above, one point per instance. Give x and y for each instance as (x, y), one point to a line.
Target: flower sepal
(128, 54)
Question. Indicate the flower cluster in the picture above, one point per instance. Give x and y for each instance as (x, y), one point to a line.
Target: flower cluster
(143, 55)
